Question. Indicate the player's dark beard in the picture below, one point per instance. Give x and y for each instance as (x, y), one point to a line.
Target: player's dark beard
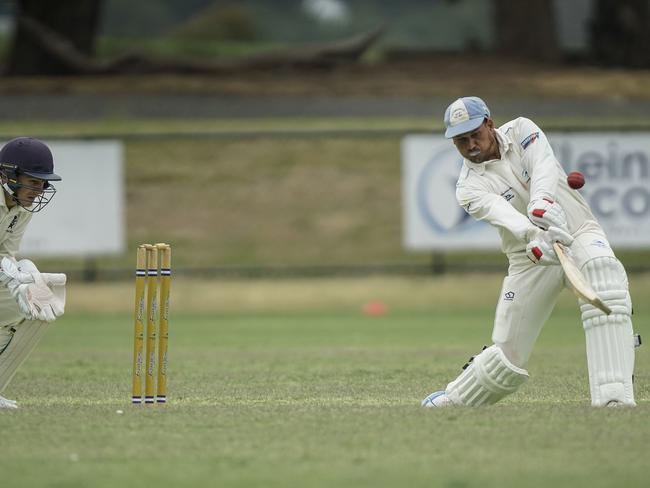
(492, 152)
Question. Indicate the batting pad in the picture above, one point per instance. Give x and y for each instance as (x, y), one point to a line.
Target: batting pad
(17, 346)
(487, 379)
(609, 338)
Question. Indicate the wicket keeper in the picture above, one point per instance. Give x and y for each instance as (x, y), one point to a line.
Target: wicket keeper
(511, 179)
(29, 300)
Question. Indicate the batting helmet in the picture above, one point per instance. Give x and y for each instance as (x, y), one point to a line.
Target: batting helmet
(31, 157)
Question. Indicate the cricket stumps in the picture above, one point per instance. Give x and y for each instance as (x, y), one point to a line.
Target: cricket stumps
(152, 287)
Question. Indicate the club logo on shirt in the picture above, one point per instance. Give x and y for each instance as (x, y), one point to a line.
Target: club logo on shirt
(525, 175)
(509, 296)
(509, 194)
(599, 243)
(530, 139)
(13, 223)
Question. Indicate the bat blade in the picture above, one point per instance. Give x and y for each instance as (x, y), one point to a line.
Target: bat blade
(579, 284)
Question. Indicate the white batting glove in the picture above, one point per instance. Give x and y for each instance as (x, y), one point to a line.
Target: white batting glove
(540, 247)
(546, 213)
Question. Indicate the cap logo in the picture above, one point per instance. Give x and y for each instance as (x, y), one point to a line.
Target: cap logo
(458, 113)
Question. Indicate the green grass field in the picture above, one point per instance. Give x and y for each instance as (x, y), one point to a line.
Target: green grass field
(287, 383)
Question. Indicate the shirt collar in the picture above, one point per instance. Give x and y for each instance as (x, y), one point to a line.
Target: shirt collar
(504, 147)
(3, 203)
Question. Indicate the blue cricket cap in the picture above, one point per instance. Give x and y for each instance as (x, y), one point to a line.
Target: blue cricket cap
(465, 115)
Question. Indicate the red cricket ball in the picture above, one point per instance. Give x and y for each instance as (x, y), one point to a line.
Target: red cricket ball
(576, 180)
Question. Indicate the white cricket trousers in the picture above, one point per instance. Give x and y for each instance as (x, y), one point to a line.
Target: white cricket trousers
(529, 294)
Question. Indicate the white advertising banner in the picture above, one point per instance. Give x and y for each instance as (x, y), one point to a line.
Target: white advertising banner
(617, 173)
(86, 216)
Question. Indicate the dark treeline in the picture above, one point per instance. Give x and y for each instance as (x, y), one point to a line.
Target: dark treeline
(49, 32)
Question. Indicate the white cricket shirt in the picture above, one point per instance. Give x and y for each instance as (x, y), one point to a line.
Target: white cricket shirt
(498, 191)
(13, 223)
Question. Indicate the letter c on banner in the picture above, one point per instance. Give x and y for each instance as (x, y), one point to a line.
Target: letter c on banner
(597, 202)
(636, 201)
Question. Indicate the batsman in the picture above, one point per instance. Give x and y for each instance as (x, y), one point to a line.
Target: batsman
(511, 179)
(29, 300)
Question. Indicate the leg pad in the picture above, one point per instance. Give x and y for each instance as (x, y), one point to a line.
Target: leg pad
(609, 338)
(17, 344)
(489, 377)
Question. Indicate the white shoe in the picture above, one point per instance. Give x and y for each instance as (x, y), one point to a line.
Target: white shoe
(437, 399)
(6, 403)
(618, 404)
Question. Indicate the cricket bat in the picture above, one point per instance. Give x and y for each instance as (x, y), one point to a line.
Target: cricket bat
(577, 281)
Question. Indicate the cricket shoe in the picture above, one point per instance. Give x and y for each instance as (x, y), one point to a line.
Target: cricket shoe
(6, 403)
(617, 404)
(437, 399)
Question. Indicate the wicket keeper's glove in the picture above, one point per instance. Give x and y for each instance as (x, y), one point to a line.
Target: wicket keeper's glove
(40, 296)
(45, 297)
(11, 277)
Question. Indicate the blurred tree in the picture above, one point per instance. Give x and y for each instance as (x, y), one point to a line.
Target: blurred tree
(74, 20)
(619, 33)
(49, 46)
(126, 18)
(526, 29)
(230, 21)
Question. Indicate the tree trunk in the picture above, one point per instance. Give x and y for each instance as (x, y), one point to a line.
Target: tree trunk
(526, 29)
(619, 33)
(74, 20)
(69, 60)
